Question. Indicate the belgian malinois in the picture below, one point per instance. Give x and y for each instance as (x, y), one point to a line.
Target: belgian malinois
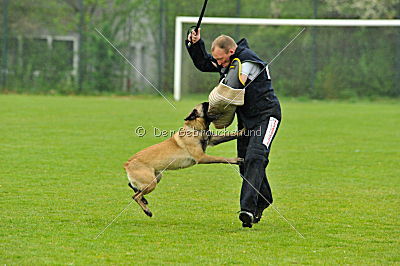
(185, 148)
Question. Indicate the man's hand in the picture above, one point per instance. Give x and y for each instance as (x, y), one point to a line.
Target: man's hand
(194, 37)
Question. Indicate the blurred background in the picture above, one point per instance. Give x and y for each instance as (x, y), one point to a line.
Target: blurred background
(52, 47)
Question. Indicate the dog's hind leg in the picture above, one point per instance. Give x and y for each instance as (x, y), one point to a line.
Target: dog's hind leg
(138, 197)
(136, 190)
(158, 176)
(144, 180)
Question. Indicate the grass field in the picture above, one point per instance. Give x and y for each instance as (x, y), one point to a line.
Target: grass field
(334, 171)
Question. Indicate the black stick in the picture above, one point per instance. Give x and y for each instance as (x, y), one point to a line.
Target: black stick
(200, 18)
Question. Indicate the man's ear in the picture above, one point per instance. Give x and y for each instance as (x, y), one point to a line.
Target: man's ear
(193, 115)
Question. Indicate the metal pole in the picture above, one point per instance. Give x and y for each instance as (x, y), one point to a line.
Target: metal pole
(81, 43)
(397, 86)
(4, 67)
(178, 59)
(162, 48)
(314, 49)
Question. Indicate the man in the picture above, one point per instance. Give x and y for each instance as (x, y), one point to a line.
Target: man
(259, 114)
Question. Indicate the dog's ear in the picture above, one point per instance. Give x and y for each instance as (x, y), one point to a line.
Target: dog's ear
(193, 115)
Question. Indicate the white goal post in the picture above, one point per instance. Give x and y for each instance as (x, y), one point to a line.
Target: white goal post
(259, 21)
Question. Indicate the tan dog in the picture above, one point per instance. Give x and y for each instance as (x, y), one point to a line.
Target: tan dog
(185, 148)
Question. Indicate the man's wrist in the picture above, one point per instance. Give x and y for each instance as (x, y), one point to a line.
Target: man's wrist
(192, 44)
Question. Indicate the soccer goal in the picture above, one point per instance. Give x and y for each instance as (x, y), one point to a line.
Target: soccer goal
(373, 49)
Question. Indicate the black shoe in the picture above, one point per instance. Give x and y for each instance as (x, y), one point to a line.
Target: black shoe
(247, 218)
(258, 215)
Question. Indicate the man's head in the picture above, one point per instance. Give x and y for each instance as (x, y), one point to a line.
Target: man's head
(222, 48)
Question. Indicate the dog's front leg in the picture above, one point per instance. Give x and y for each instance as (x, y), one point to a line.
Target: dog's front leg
(215, 139)
(207, 159)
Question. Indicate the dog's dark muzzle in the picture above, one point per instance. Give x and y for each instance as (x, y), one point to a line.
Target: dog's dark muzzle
(207, 116)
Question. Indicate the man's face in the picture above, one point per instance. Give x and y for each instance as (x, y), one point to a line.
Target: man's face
(223, 58)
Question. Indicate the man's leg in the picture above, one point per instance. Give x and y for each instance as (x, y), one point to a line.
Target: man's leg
(241, 146)
(255, 181)
(265, 189)
(255, 163)
(265, 201)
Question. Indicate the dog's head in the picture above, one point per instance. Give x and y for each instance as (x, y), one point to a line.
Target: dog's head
(198, 116)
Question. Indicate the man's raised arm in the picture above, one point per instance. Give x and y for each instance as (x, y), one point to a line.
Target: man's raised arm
(197, 51)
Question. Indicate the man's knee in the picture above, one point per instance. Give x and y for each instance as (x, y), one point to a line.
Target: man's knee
(257, 152)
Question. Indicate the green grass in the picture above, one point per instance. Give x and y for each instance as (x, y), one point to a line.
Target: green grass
(334, 170)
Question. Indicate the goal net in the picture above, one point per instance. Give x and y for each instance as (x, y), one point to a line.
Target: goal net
(330, 59)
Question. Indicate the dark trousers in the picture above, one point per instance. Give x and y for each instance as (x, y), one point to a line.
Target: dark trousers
(255, 148)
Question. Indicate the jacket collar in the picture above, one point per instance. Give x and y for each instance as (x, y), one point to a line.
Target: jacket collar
(241, 45)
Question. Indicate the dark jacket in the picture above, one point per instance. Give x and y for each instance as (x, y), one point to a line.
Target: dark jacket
(260, 101)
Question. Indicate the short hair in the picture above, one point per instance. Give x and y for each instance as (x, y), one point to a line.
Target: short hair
(224, 42)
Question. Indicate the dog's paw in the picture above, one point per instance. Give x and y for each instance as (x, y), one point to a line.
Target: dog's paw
(148, 213)
(239, 161)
